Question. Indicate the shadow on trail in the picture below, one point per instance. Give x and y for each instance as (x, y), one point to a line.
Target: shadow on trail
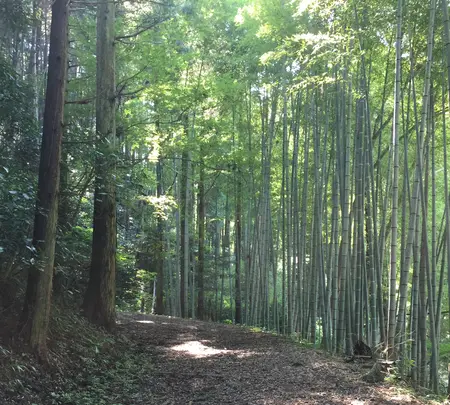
(206, 363)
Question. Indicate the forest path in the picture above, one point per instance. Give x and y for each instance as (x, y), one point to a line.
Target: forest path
(207, 363)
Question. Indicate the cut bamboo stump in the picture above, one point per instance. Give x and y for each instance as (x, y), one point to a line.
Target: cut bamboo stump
(378, 372)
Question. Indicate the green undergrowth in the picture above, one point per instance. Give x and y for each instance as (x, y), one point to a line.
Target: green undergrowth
(87, 366)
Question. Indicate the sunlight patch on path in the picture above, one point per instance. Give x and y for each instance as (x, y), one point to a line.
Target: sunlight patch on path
(398, 396)
(197, 349)
(144, 321)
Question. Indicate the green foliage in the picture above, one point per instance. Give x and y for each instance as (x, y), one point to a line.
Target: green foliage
(305, 343)
(89, 367)
(197, 82)
(444, 351)
(110, 370)
(115, 382)
(74, 248)
(14, 15)
(18, 165)
(129, 284)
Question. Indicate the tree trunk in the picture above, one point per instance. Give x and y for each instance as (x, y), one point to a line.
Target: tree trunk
(36, 311)
(394, 221)
(184, 236)
(238, 233)
(201, 243)
(159, 304)
(446, 176)
(99, 300)
(184, 229)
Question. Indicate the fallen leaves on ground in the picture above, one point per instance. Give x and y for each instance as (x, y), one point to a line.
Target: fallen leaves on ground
(204, 363)
(159, 360)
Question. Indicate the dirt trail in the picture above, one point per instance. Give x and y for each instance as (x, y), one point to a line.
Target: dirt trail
(204, 363)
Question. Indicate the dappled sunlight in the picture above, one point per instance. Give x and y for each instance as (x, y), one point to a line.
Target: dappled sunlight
(216, 364)
(198, 349)
(397, 395)
(244, 354)
(401, 398)
(336, 397)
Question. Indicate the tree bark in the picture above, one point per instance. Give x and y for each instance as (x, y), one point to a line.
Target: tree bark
(395, 183)
(238, 249)
(99, 300)
(159, 305)
(36, 312)
(201, 242)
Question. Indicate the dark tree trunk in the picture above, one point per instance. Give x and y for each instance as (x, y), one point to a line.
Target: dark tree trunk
(99, 300)
(64, 206)
(63, 224)
(184, 231)
(183, 223)
(237, 292)
(159, 305)
(201, 243)
(36, 312)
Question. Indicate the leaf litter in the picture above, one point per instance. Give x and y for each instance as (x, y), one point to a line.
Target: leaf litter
(196, 362)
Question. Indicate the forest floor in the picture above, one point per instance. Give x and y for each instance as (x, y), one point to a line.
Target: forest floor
(202, 363)
(169, 361)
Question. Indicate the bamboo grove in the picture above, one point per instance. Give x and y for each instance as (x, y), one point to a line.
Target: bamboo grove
(280, 164)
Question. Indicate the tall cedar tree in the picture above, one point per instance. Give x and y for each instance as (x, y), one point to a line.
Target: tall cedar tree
(36, 312)
(99, 301)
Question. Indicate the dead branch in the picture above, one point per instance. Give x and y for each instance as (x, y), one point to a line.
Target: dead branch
(142, 30)
(81, 102)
